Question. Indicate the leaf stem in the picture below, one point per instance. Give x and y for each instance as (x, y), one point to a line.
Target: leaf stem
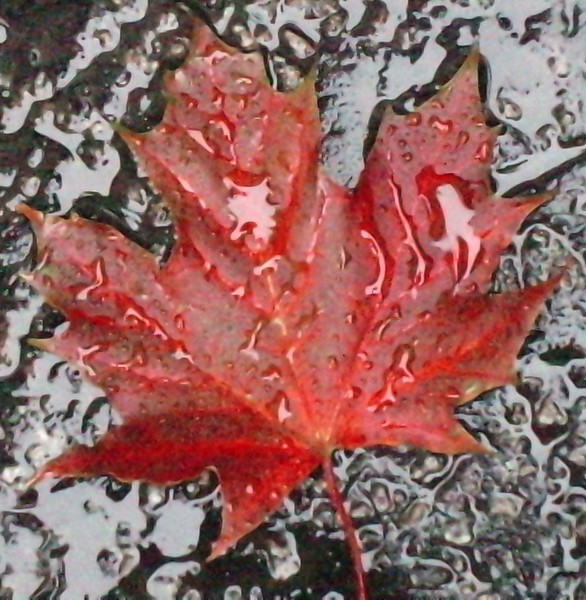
(347, 526)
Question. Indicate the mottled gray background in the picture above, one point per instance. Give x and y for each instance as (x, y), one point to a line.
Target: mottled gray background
(511, 525)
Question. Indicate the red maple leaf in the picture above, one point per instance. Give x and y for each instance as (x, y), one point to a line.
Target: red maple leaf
(294, 316)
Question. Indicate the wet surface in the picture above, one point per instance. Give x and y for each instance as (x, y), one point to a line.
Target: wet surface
(508, 525)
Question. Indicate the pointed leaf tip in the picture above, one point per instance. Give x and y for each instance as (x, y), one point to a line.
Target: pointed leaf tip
(539, 293)
(219, 548)
(40, 343)
(45, 472)
(35, 479)
(311, 77)
(35, 217)
(465, 80)
(534, 201)
(468, 70)
(27, 277)
(131, 138)
(472, 61)
(464, 443)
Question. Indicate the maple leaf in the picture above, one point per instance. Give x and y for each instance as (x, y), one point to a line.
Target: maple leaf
(293, 317)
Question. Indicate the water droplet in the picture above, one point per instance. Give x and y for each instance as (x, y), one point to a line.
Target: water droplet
(136, 357)
(299, 45)
(252, 210)
(399, 372)
(179, 322)
(35, 158)
(84, 354)
(376, 286)
(564, 117)
(354, 392)
(135, 316)
(463, 138)
(460, 240)
(248, 348)
(104, 37)
(393, 425)
(560, 65)
(402, 361)
(458, 532)
(413, 119)
(484, 152)
(381, 328)
(472, 389)
(439, 125)
(409, 229)
(545, 135)
(45, 281)
(509, 109)
(99, 280)
(345, 258)
(124, 78)
(239, 292)
(271, 373)
(182, 353)
(395, 312)
(549, 413)
(333, 362)
(30, 186)
(271, 265)
(284, 412)
(453, 393)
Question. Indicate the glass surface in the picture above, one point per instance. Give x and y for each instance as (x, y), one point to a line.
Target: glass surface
(511, 524)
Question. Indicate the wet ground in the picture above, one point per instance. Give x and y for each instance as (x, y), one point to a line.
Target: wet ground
(508, 525)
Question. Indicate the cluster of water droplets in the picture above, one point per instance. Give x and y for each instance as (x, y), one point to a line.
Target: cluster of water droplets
(508, 525)
(545, 117)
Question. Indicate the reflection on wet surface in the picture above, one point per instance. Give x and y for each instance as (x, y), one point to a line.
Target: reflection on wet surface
(508, 525)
